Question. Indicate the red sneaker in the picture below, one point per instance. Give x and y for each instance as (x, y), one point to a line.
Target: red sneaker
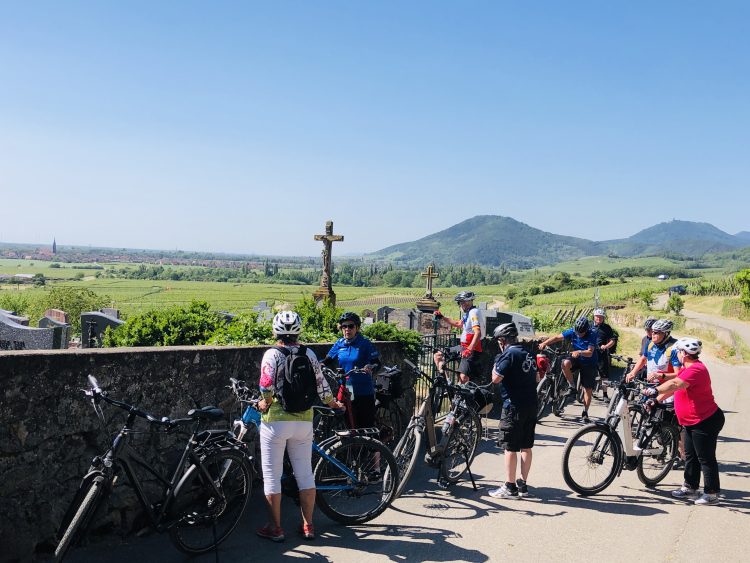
(307, 531)
(271, 533)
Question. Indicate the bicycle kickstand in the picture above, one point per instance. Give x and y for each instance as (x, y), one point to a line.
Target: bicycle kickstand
(468, 468)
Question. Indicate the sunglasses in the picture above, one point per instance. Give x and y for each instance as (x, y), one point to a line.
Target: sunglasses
(347, 326)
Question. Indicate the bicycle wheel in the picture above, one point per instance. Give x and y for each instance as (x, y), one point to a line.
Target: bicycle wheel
(79, 514)
(591, 460)
(543, 397)
(356, 480)
(406, 453)
(203, 518)
(388, 420)
(460, 446)
(658, 455)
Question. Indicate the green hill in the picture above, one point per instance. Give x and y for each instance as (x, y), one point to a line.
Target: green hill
(490, 240)
(678, 237)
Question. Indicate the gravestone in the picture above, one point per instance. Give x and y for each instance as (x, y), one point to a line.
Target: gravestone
(61, 332)
(111, 312)
(15, 336)
(383, 314)
(93, 325)
(265, 313)
(57, 315)
(18, 319)
(228, 317)
(493, 319)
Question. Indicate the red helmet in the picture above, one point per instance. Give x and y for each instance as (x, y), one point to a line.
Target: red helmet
(542, 364)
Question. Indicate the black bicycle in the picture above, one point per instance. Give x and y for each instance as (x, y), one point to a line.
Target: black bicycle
(201, 503)
(553, 390)
(453, 451)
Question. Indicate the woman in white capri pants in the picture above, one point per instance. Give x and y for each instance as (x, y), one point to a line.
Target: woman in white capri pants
(282, 430)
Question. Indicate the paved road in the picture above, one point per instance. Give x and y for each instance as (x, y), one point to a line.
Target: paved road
(627, 522)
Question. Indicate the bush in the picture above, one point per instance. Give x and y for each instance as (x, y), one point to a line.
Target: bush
(410, 340)
(175, 326)
(675, 304)
(244, 329)
(72, 300)
(319, 320)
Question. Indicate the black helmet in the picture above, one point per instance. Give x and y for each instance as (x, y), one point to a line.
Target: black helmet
(649, 323)
(464, 296)
(582, 325)
(350, 316)
(506, 330)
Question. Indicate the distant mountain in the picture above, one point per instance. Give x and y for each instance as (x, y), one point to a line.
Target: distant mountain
(743, 235)
(490, 240)
(681, 237)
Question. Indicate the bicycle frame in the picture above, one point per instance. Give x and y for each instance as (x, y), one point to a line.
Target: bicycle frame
(123, 455)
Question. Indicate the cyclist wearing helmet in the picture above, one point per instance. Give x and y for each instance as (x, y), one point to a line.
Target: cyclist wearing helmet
(281, 430)
(516, 369)
(471, 336)
(661, 355)
(606, 342)
(702, 419)
(646, 340)
(354, 351)
(582, 357)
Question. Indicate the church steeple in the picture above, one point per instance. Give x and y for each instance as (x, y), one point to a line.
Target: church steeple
(54, 246)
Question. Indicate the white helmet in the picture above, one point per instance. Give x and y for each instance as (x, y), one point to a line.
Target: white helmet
(287, 323)
(692, 346)
(600, 313)
(662, 325)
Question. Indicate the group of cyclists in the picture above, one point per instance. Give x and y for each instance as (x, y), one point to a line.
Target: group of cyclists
(672, 364)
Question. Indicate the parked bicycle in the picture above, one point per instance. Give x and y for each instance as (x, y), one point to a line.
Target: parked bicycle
(595, 455)
(553, 390)
(356, 475)
(201, 503)
(388, 415)
(453, 451)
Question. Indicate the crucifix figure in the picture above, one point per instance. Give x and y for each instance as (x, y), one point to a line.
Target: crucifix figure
(327, 239)
(430, 274)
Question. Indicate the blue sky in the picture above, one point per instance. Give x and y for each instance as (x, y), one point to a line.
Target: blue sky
(243, 127)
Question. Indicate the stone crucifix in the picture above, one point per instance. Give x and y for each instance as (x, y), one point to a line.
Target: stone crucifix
(327, 239)
(430, 274)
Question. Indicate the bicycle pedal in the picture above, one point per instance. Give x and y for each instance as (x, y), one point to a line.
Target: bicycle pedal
(443, 484)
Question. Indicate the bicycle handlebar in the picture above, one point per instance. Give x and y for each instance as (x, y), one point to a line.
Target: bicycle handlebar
(97, 394)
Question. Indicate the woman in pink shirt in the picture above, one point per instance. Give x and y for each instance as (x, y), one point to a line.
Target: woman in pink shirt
(702, 418)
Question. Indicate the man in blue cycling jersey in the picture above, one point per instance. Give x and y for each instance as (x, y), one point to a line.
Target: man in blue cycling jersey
(582, 357)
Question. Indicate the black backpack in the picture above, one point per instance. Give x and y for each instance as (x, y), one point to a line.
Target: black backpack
(296, 385)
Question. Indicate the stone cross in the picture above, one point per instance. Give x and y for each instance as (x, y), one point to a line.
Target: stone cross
(430, 274)
(328, 239)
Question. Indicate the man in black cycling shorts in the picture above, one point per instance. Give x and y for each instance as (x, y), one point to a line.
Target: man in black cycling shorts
(516, 369)
(470, 324)
(582, 357)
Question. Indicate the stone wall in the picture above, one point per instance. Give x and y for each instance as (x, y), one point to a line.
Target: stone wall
(49, 432)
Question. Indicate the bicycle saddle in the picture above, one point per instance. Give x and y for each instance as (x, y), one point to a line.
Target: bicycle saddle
(206, 413)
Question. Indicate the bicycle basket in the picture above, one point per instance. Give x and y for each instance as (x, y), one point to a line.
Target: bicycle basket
(389, 384)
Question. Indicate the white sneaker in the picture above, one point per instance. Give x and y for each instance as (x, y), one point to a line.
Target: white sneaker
(505, 492)
(707, 499)
(686, 492)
